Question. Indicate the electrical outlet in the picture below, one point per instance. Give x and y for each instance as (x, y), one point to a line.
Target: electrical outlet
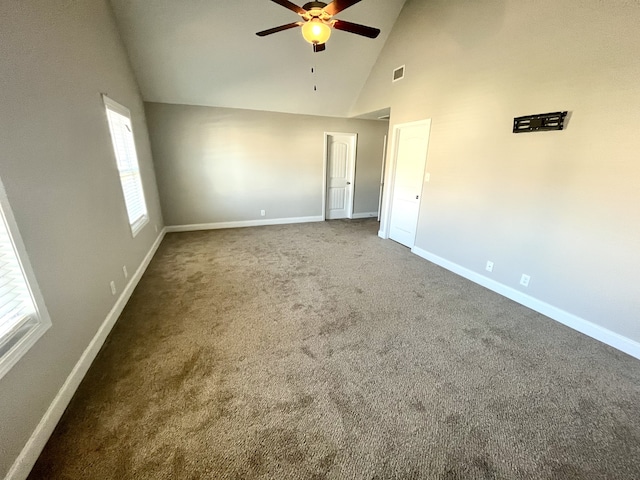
(427, 177)
(524, 280)
(156, 228)
(262, 213)
(124, 270)
(113, 287)
(489, 266)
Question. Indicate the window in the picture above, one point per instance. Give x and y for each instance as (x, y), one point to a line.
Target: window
(124, 148)
(23, 316)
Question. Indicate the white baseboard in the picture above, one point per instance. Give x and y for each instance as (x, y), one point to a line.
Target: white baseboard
(590, 329)
(364, 215)
(31, 451)
(243, 223)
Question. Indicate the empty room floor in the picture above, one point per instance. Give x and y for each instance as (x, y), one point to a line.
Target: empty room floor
(320, 351)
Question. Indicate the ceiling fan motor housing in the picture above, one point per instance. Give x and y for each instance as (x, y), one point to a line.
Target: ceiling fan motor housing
(312, 5)
(315, 10)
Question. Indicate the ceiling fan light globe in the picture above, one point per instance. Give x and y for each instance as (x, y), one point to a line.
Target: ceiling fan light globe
(316, 31)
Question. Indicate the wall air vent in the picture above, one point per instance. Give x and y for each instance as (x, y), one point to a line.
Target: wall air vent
(398, 74)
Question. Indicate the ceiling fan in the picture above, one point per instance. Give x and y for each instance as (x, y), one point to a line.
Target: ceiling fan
(317, 22)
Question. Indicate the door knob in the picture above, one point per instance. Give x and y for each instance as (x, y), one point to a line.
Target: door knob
(348, 183)
(416, 197)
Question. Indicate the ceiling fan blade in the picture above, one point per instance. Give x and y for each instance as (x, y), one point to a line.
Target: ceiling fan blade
(319, 47)
(291, 6)
(339, 5)
(356, 28)
(278, 29)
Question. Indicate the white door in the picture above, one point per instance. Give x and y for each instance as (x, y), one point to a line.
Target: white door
(341, 161)
(412, 141)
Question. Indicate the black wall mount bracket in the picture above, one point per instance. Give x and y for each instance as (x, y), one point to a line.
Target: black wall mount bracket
(540, 122)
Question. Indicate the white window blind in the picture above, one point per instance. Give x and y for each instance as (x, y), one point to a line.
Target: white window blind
(16, 305)
(127, 160)
(22, 321)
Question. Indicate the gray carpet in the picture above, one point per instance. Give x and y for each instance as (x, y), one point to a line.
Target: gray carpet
(319, 351)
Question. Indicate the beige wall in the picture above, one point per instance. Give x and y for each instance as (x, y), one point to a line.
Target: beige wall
(562, 207)
(225, 165)
(58, 168)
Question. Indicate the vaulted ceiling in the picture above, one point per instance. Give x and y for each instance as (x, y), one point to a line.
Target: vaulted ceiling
(206, 52)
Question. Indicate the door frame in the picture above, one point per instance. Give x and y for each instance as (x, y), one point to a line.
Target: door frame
(351, 173)
(381, 194)
(392, 155)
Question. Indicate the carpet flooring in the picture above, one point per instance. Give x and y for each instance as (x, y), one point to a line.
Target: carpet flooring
(319, 351)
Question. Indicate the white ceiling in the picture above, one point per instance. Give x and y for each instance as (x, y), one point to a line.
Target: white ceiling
(206, 52)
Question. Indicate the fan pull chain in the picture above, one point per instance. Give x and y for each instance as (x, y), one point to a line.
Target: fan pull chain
(313, 71)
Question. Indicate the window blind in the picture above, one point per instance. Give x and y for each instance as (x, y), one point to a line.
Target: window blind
(16, 305)
(127, 161)
(23, 314)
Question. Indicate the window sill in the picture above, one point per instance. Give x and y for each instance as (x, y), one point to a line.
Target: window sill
(20, 341)
(139, 225)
